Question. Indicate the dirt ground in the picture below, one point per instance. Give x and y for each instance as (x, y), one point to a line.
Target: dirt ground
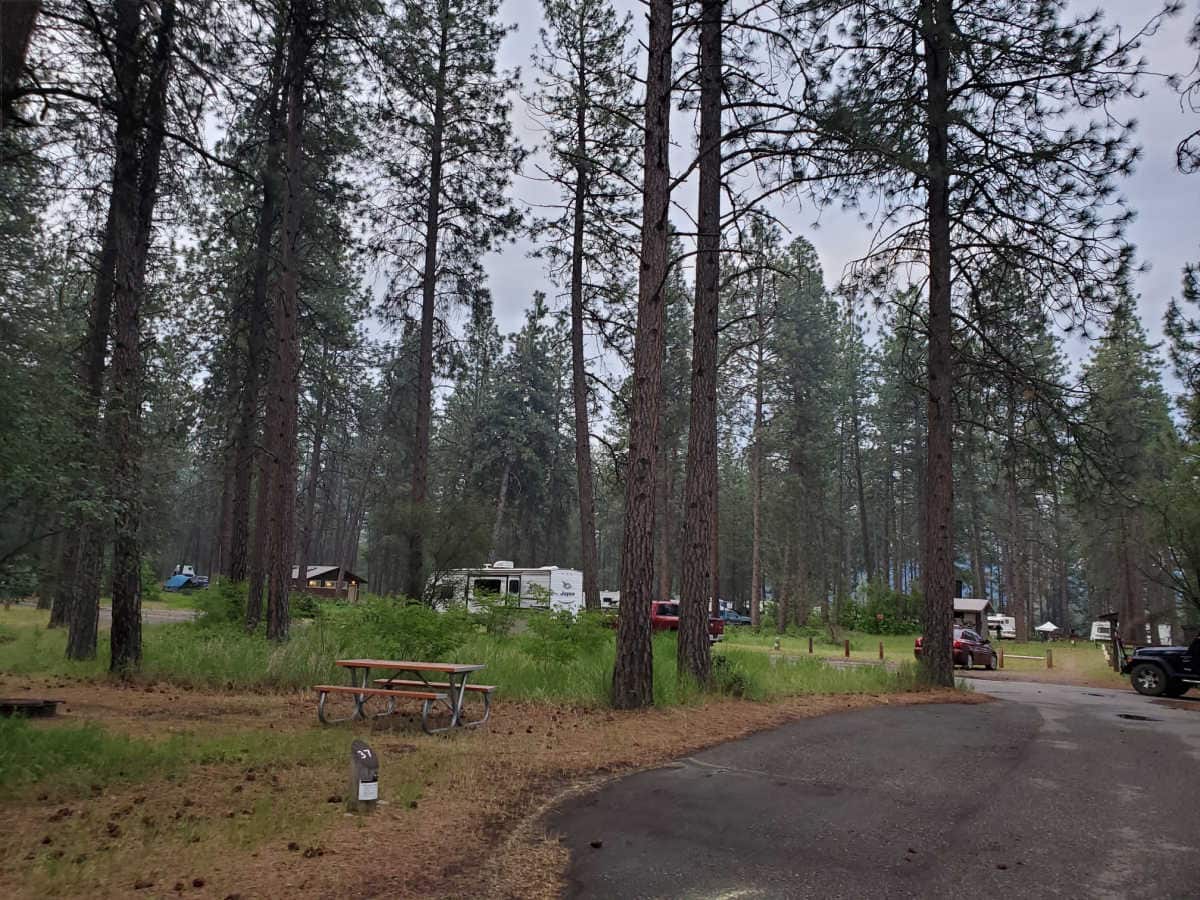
(461, 816)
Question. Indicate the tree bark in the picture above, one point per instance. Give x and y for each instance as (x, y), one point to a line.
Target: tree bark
(283, 400)
(860, 491)
(17, 20)
(314, 472)
(633, 673)
(501, 503)
(579, 389)
(133, 248)
(415, 580)
(756, 475)
(697, 596)
(937, 574)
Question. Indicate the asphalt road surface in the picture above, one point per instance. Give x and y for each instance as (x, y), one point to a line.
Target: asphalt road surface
(1052, 792)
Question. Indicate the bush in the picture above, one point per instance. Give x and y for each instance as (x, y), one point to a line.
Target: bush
(224, 604)
(151, 588)
(395, 630)
(884, 611)
(560, 636)
(728, 677)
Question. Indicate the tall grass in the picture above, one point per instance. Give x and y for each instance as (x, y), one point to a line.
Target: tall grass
(552, 657)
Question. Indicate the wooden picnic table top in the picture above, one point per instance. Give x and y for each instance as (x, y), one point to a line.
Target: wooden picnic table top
(410, 665)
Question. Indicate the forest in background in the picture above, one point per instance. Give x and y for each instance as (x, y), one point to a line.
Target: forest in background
(247, 323)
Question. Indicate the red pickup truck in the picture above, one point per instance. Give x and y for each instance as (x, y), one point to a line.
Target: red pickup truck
(664, 616)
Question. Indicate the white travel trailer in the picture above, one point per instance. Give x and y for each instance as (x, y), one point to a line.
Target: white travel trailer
(546, 587)
(1006, 624)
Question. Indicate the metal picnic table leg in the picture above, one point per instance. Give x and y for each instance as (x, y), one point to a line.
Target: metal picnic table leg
(360, 700)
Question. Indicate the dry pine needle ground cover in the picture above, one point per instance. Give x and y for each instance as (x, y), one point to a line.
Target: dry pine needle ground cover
(462, 817)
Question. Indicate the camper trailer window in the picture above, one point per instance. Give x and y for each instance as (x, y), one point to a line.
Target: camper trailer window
(487, 585)
(514, 585)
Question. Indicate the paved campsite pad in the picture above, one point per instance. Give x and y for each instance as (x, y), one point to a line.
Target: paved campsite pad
(1049, 794)
(262, 831)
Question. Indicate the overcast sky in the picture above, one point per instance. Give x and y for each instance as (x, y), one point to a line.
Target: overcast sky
(1166, 230)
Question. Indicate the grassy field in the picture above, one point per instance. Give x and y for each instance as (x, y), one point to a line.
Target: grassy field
(551, 660)
(1084, 661)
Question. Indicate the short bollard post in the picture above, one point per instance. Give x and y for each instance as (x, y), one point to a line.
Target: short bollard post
(1002, 657)
(363, 793)
(881, 651)
(810, 643)
(846, 647)
(1049, 658)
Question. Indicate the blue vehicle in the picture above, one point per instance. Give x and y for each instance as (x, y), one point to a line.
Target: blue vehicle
(732, 617)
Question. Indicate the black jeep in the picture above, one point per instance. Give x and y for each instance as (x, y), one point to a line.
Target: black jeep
(1164, 671)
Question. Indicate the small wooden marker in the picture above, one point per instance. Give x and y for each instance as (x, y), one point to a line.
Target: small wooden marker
(846, 647)
(1049, 658)
(881, 651)
(810, 643)
(1002, 657)
(363, 793)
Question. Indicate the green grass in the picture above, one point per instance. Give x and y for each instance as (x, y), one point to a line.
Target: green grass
(553, 659)
(73, 758)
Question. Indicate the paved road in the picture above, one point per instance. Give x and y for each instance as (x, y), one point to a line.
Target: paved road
(1049, 793)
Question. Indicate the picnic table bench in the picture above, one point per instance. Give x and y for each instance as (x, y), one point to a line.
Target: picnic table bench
(448, 694)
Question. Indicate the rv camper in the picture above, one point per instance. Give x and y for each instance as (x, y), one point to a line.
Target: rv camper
(546, 587)
(1007, 626)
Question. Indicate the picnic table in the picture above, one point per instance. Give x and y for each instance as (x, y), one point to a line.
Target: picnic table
(449, 694)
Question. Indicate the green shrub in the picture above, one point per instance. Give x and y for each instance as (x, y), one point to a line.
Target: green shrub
(884, 611)
(222, 604)
(728, 677)
(304, 606)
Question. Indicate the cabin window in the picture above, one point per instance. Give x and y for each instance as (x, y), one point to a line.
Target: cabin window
(314, 584)
(514, 585)
(329, 584)
(488, 585)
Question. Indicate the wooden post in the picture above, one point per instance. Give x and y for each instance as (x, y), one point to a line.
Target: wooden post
(846, 647)
(881, 651)
(1049, 658)
(810, 643)
(1002, 657)
(363, 793)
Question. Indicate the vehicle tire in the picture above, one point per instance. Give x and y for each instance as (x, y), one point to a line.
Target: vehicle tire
(1148, 679)
(969, 663)
(992, 663)
(1176, 689)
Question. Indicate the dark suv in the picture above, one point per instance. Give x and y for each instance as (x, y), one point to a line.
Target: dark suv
(1164, 671)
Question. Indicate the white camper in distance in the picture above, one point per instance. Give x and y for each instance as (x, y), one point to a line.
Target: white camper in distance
(546, 587)
(1006, 624)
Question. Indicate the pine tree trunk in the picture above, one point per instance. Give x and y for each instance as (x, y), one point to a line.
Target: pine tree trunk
(860, 491)
(501, 503)
(664, 524)
(697, 595)
(314, 475)
(17, 20)
(937, 576)
(633, 674)
(283, 400)
(756, 474)
(77, 588)
(133, 247)
(415, 581)
(579, 387)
